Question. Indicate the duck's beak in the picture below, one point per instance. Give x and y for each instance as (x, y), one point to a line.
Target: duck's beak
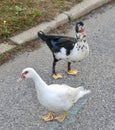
(22, 77)
(19, 80)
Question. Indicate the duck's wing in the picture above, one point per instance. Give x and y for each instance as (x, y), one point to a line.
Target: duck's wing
(65, 92)
(60, 88)
(64, 42)
(74, 94)
(61, 41)
(55, 42)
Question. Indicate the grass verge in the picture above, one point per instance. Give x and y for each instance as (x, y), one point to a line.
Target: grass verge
(19, 15)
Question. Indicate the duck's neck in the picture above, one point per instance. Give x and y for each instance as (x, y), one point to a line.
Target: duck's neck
(39, 83)
(81, 36)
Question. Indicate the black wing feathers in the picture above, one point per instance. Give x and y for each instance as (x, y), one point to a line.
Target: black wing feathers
(55, 42)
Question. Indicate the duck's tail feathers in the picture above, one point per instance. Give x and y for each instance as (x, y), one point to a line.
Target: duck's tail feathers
(42, 35)
(82, 92)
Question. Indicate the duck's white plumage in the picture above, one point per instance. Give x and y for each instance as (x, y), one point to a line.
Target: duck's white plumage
(79, 52)
(54, 97)
(59, 98)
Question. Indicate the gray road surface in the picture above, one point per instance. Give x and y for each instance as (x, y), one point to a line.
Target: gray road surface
(19, 107)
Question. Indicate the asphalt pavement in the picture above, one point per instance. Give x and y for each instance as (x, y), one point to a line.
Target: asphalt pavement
(19, 107)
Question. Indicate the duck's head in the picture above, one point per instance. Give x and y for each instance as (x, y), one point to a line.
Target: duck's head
(80, 31)
(26, 73)
(79, 27)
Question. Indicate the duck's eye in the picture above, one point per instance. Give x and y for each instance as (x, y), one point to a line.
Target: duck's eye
(25, 72)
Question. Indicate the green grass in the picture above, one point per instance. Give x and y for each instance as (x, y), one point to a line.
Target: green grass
(19, 15)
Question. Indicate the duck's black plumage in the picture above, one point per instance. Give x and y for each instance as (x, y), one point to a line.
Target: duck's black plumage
(60, 44)
(57, 41)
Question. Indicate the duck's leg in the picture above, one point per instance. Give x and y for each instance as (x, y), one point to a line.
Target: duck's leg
(60, 118)
(70, 71)
(55, 75)
(48, 117)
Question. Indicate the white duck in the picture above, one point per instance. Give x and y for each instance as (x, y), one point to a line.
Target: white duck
(54, 97)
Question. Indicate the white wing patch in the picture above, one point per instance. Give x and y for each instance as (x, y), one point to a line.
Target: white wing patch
(63, 51)
(61, 54)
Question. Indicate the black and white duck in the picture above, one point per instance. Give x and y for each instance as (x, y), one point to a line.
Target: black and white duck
(55, 98)
(67, 48)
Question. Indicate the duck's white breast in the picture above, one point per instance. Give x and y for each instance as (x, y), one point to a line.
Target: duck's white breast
(79, 52)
